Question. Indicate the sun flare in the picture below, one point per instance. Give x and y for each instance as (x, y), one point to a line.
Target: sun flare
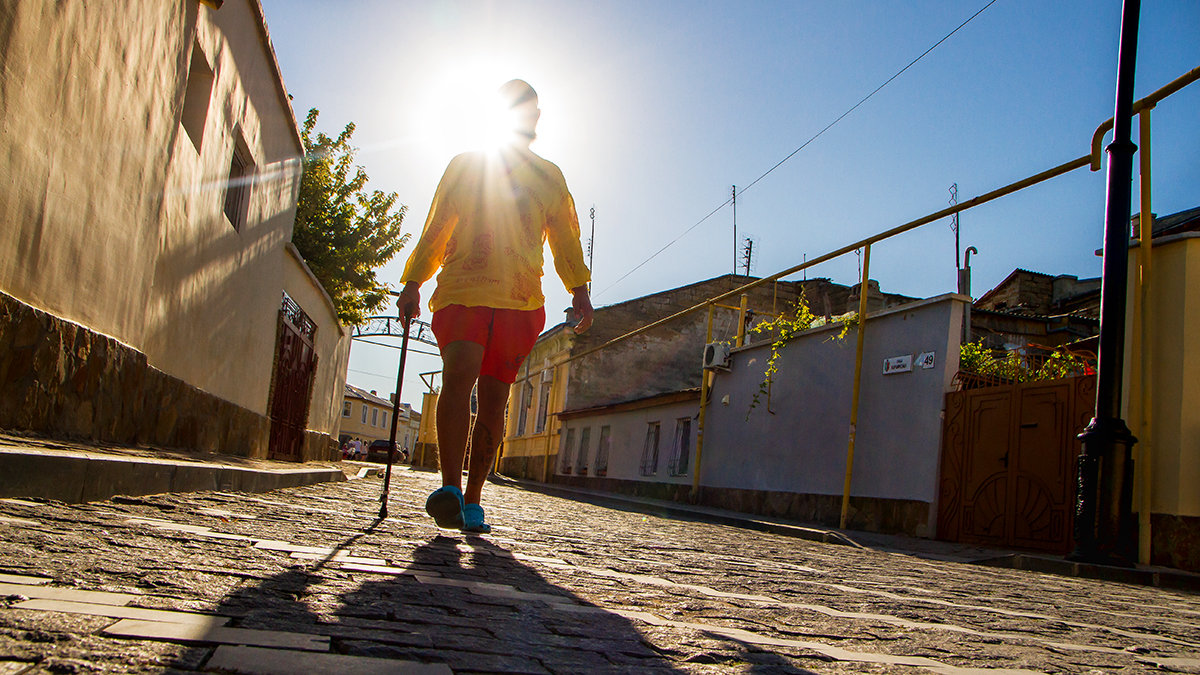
(463, 111)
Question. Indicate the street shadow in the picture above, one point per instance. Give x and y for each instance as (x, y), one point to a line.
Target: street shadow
(276, 602)
(466, 602)
(469, 603)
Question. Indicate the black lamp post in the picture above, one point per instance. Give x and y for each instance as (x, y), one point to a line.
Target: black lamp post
(1104, 492)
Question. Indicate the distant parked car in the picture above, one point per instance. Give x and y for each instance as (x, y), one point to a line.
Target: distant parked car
(377, 451)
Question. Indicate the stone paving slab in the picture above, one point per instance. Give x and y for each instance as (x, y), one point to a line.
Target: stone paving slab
(20, 579)
(122, 612)
(214, 632)
(560, 587)
(258, 661)
(67, 594)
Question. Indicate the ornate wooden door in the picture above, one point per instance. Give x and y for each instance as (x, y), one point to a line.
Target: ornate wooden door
(1008, 463)
(291, 388)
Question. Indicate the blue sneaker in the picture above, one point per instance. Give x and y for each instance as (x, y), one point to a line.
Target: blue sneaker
(446, 507)
(473, 520)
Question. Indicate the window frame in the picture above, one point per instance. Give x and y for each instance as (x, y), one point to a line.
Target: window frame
(581, 457)
(564, 464)
(650, 450)
(543, 405)
(602, 447)
(681, 447)
(525, 404)
(236, 203)
(197, 97)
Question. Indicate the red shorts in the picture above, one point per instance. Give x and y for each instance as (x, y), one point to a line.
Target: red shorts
(507, 335)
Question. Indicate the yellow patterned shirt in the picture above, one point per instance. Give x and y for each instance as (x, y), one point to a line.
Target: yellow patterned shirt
(490, 216)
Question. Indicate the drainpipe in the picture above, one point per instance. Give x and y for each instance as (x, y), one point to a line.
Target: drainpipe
(1104, 487)
(550, 405)
(858, 357)
(1145, 248)
(741, 330)
(703, 410)
(964, 288)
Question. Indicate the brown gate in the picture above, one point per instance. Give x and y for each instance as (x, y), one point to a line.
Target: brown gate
(291, 386)
(1008, 463)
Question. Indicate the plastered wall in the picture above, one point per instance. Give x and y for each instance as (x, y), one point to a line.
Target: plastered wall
(111, 215)
(796, 439)
(628, 439)
(1174, 375)
(87, 126)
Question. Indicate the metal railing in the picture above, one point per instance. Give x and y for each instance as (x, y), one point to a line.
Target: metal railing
(1091, 160)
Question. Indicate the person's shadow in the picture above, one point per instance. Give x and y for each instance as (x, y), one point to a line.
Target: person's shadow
(467, 603)
(470, 604)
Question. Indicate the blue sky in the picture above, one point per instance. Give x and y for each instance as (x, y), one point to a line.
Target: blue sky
(655, 109)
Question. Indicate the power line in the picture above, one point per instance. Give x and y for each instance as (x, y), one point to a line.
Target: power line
(802, 146)
(868, 96)
(669, 244)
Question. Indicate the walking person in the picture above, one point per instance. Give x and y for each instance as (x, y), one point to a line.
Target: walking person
(490, 216)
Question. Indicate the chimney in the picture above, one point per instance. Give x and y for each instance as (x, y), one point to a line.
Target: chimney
(1135, 225)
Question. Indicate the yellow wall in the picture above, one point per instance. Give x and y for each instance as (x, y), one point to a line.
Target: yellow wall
(1175, 375)
(547, 355)
(354, 427)
(428, 429)
(109, 215)
(215, 292)
(89, 114)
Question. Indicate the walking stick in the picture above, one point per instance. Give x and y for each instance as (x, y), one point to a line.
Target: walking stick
(387, 476)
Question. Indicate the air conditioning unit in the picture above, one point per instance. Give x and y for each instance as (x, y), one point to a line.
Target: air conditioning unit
(716, 355)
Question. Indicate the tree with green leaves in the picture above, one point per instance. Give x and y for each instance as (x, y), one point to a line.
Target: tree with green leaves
(343, 231)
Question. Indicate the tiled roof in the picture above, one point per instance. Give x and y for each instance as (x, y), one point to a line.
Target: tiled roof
(354, 392)
(1184, 221)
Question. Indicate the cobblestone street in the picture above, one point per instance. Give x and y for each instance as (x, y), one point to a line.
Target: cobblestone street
(305, 580)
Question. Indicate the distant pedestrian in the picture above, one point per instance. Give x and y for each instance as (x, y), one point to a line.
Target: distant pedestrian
(490, 217)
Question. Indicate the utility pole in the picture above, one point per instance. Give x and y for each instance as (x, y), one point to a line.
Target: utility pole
(958, 264)
(735, 239)
(1104, 486)
(954, 226)
(747, 254)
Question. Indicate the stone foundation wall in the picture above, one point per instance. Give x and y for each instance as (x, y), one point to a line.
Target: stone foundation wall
(890, 516)
(425, 455)
(524, 467)
(1175, 541)
(61, 379)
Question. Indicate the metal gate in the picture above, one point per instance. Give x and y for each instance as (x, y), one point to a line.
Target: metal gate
(1008, 463)
(291, 385)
